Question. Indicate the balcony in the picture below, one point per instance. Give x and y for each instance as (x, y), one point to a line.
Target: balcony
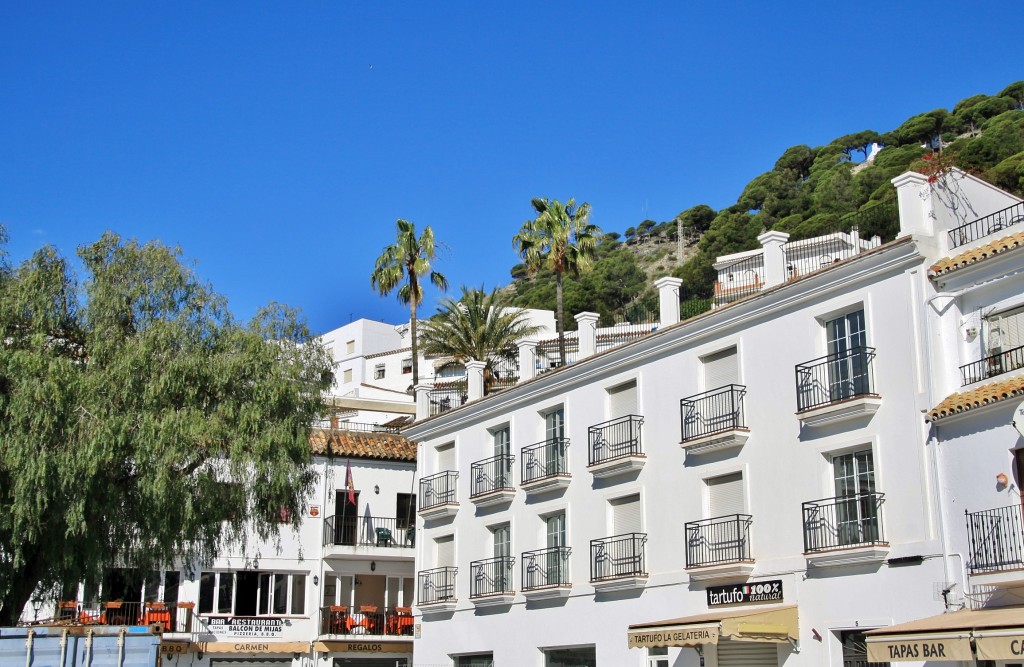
(492, 481)
(491, 581)
(991, 366)
(837, 387)
(443, 398)
(714, 420)
(389, 535)
(845, 530)
(545, 573)
(617, 563)
(990, 224)
(719, 548)
(545, 466)
(615, 447)
(340, 621)
(436, 590)
(438, 495)
(170, 617)
(996, 540)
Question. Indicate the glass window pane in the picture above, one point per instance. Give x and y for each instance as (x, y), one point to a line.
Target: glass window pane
(298, 594)
(225, 592)
(207, 588)
(280, 593)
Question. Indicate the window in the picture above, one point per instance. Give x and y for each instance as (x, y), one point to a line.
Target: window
(347, 375)
(350, 347)
(406, 366)
(622, 400)
(252, 593)
(554, 434)
(657, 656)
(502, 538)
(476, 660)
(378, 372)
(725, 495)
(846, 339)
(721, 369)
(1005, 331)
(571, 657)
(444, 550)
(626, 516)
(555, 530)
(446, 457)
(856, 507)
(405, 511)
(502, 440)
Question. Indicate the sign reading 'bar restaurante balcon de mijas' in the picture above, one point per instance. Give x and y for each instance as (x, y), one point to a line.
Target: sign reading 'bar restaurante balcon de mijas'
(752, 593)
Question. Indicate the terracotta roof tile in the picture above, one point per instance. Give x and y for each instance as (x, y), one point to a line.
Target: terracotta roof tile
(975, 255)
(384, 446)
(988, 394)
(388, 352)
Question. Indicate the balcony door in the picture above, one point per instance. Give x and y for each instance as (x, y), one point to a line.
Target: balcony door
(846, 339)
(555, 540)
(723, 540)
(721, 369)
(554, 434)
(346, 518)
(856, 506)
(502, 450)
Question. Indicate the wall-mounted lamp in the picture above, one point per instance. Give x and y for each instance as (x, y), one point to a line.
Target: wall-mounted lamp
(1002, 481)
(316, 580)
(373, 566)
(376, 489)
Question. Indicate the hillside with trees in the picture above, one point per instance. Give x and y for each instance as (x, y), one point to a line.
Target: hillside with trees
(809, 191)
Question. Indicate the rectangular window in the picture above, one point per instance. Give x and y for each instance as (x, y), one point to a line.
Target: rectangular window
(1005, 331)
(554, 424)
(555, 529)
(207, 589)
(721, 369)
(446, 457)
(622, 400)
(225, 592)
(846, 339)
(502, 441)
(476, 660)
(172, 581)
(406, 366)
(856, 506)
(445, 550)
(350, 347)
(298, 595)
(626, 516)
(725, 495)
(571, 657)
(502, 537)
(347, 375)
(378, 372)
(249, 593)
(405, 511)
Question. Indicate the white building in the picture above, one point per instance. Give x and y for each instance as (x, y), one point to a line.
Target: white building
(753, 486)
(336, 592)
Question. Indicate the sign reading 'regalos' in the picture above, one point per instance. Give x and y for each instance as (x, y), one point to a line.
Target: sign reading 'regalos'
(238, 626)
(752, 593)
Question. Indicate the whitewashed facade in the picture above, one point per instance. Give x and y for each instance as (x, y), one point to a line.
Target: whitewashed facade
(779, 442)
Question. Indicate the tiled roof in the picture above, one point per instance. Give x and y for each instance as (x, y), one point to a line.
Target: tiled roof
(399, 422)
(978, 397)
(387, 352)
(384, 446)
(975, 255)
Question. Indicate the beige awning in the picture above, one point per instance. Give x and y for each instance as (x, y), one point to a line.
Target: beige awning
(947, 637)
(775, 624)
(249, 646)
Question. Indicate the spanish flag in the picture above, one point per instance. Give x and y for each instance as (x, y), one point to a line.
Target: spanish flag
(348, 483)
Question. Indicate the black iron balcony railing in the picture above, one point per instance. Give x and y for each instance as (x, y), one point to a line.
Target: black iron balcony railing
(437, 585)
(544, 459)
(491, 576)
(171, 616)
(835, 377)
(723, 539)
(369, 531)
(618, 556)
(713, 411)
(846, 521)
(991, 366)
(366, 620)
(364, 427)
(443, 399)
(996, 539)
(490, 475)
(615, 439)
(742, 278)
(545, 568)
(439, 489)
(990, 224)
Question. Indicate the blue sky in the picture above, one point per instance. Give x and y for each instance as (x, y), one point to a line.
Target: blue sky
(277, 143)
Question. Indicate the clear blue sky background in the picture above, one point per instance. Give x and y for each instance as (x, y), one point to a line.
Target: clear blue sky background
(277, 143)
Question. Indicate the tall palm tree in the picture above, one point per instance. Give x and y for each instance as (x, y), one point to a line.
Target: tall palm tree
(477, 326)
(562, 239)
(403, 264)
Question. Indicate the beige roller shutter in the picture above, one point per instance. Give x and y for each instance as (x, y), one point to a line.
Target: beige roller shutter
(626, 517)
(445, 551)
(720, 369)
(725, 495)
(622, 400)
(446, 457)
(747, 654)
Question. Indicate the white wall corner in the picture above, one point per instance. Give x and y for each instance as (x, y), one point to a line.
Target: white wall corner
(475, 378)
(422, 400)
(774, 257)
(587, 334)
(668, 299)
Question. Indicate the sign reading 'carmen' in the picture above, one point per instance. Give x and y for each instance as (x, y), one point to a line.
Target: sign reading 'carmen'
(762, 591)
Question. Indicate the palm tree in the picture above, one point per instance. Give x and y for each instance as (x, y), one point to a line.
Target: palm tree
(562, 239)
(403, 264)
(477, 326)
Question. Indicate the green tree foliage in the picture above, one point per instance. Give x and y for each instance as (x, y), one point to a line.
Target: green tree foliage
(696, 220)
(1002, 136)
(1009, 173)
(403, 265)
(478, 325)
(560, 238)
(1015, 91)
(139, 423)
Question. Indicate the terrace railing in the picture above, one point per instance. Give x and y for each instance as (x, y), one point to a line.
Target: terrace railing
(742, 278)
(492, 474)
(437, 585)
(369, 531)
(545, 568)
(846, 521)
(444, 398)
(713, 411)
(491, 576)
(991, 366)
(996, 539)
(835, 377)
(544, 459)
(614, 439)
(723, 539)
(989, 224)
(341, 620)
(618, 556)
(439, 489)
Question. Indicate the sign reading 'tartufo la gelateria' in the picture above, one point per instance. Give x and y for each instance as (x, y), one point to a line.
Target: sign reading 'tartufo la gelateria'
(751, 593)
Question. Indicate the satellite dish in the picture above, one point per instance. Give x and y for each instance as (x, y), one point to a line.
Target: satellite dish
(1017, 421)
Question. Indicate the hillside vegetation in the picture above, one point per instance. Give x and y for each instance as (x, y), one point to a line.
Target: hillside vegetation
(810, 190)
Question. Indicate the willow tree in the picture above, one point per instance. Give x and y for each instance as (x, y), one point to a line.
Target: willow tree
(478, 325)
(562, 239)
(140, 424)
(404, 265)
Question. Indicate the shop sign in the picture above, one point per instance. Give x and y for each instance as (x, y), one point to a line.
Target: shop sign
(996, 647)
(170, 648)
(246, 626)
(752, 593)
(923, 647)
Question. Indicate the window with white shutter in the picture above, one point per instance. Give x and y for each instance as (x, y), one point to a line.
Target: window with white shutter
(725, 495)
(1005, 331)
(721, 368)
(626, 516)
(622, 400)
(446, 457)
(445, 550)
